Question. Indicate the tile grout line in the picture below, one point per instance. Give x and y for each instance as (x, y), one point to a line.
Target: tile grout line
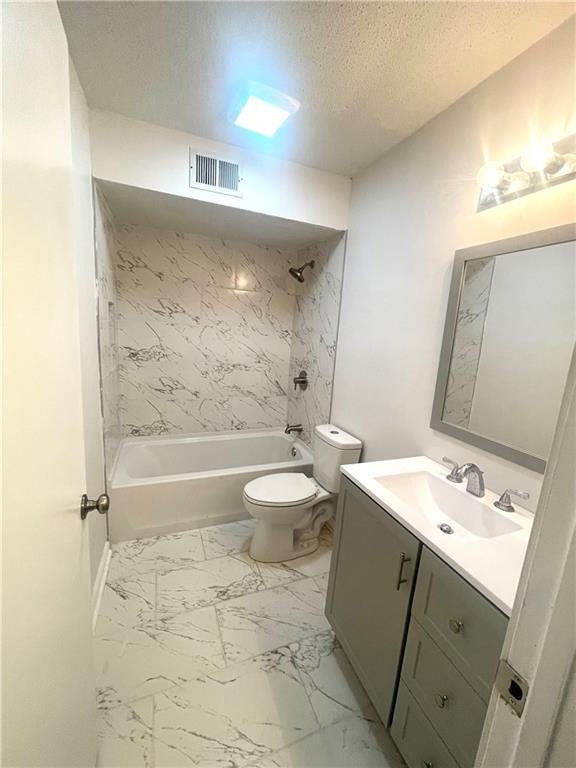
(169, 615)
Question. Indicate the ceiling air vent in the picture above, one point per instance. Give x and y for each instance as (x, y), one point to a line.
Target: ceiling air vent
(215, 174)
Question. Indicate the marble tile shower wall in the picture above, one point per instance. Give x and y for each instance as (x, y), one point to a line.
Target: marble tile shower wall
(105, 246)
(468, 341)
(205, 332)
(315, 334)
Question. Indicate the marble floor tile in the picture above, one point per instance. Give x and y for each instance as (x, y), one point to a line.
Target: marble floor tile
(125, 736)
(314, 564)
(330, 682)
(143, 661)
(206, 583)
(350, 743)
(322, 582)
(206, 658)
(234, 716)
(220, 540)
(273, 574)
(127, 603)
(265, 620)
(161, 553)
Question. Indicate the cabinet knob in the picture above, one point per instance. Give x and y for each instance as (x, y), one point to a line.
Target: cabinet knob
(427, 764)
(456, 626)
(441, 700)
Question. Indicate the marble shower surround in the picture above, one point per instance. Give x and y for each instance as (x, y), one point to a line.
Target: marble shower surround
(468, 341)
(105, 246)
(206, 330)
(315, 334)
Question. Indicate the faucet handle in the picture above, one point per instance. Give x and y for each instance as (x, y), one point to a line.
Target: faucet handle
(454, 477)
(505, 503)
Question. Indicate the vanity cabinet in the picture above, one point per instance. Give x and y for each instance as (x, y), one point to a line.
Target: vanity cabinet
(369, 592)
(423, 641)
(452, 653)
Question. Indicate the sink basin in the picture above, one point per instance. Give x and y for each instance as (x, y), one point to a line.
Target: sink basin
(445, 504)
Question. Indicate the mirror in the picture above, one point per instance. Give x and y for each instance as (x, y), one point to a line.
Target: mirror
(509, 335)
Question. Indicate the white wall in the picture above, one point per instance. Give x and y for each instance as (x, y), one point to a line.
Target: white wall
(409, 213)
(86, 279)
(148, 156)
(527, 343)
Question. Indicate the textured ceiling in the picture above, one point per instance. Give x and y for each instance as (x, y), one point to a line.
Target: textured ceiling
(367, 74)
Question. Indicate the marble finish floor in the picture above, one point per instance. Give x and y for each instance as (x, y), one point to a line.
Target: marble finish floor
(205, 658)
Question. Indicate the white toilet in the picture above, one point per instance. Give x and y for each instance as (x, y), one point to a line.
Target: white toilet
(291, 508)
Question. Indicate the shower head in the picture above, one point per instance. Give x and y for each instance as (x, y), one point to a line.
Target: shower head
(298, 274)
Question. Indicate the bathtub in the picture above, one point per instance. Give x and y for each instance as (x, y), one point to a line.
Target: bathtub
(170, 484)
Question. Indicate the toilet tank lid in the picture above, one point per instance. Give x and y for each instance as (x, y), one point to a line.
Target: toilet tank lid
(337, 437)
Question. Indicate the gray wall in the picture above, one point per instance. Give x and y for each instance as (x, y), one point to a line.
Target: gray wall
(410, 212)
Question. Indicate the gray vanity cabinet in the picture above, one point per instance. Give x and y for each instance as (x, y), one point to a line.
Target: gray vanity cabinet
(371, 582)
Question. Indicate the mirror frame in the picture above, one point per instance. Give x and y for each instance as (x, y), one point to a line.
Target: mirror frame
(554, 236)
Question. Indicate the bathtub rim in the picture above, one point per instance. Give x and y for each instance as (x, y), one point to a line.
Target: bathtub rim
(306, 462)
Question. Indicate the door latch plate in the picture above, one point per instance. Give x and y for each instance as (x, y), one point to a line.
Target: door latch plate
(512, 687)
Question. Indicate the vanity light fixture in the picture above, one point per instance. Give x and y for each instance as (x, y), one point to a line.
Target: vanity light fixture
(542, 165)
(261, 109)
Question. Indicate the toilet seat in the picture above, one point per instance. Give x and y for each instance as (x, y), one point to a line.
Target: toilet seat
(286, 489)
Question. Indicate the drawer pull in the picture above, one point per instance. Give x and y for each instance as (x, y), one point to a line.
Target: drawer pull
(427, 764)
(441, 700)
(403, 560)
(456, 626)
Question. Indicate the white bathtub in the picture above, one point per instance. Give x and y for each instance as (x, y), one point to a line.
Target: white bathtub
(169, 484)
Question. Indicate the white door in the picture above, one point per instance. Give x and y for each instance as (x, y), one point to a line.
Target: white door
(48, 707)
(540, 643)
(88, 321)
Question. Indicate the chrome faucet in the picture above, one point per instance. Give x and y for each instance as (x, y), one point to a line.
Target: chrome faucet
(293, 428)
(472, 472)
(475, 478)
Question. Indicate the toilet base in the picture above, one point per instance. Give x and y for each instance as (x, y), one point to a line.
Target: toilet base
(279, 543)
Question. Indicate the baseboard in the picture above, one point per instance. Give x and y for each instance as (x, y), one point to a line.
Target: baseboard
(100, 582)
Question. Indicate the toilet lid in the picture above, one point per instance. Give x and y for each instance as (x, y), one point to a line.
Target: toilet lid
(281, 490)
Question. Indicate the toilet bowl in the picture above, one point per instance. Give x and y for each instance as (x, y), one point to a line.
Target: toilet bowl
(291, 508)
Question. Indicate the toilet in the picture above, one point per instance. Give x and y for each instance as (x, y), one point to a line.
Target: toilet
(291, 508)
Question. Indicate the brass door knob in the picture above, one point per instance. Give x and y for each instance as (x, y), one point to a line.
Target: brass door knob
(102, 504)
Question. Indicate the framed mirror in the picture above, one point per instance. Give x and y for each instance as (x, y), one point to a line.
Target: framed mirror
(508, 339)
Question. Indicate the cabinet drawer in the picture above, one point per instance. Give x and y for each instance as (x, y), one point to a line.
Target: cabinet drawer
(420, 745)
(468, 628)
(451, 704)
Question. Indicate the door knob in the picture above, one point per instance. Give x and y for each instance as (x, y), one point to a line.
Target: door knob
(102, 504)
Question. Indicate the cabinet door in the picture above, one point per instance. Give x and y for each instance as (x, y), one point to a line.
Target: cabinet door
(370, 588)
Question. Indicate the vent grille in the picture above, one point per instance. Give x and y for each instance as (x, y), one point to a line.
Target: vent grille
(228, 175)
(208, 172)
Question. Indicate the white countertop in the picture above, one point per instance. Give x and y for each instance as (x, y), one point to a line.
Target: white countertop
(492, 565)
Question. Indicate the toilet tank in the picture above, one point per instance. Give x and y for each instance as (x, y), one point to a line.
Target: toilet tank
(332, 448)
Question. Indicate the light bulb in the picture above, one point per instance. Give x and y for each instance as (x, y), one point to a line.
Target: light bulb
(541, 158)
(519, 181)
(568, 164)
(492, 176)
